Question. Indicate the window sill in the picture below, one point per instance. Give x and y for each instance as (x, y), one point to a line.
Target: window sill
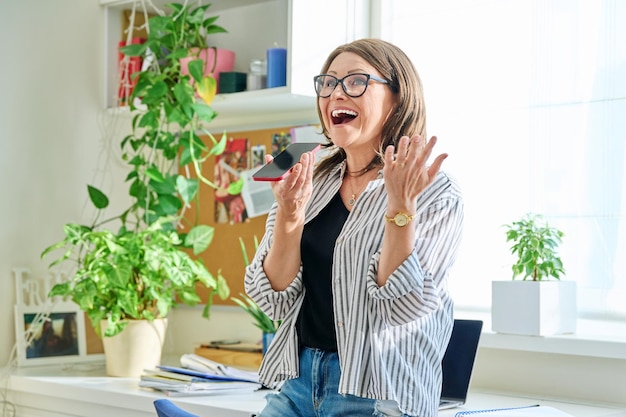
(594, 338)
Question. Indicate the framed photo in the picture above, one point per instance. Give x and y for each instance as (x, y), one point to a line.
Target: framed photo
(50, 331)
(49, 337)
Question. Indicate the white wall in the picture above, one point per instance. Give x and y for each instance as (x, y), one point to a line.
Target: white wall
(49, 106)
(54, 140)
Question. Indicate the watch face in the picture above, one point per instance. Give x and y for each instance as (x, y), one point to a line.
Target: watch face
(401, 219)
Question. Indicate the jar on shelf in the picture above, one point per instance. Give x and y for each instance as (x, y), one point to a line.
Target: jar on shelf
(258, 75)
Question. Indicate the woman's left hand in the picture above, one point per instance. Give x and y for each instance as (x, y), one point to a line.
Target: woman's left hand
(406, 173)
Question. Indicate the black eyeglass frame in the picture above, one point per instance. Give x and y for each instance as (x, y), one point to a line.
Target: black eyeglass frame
(343, 86)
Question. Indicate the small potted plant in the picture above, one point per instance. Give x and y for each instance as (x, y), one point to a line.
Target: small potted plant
(540, 303)
(261, 320)
(535, 244)
(134, 267)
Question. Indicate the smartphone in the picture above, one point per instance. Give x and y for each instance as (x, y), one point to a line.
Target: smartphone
(284, 161)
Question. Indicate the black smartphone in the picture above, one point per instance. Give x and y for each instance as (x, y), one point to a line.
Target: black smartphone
(284, 161)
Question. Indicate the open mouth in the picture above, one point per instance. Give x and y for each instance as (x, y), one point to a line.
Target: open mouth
(341, 116)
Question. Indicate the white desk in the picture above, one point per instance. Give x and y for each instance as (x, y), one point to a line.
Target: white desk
(83, 391)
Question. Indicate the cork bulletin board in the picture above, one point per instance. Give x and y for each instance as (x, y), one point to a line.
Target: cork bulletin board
(228, 214)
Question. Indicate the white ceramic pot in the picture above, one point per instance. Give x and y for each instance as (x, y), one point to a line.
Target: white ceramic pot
(137, 347)
(533, 308)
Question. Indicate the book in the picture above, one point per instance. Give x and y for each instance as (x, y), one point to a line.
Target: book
(240, 359)
(204, 375)
(200, 368)
(234, 346)
(183, 388)
(207, 377)
(524, 411)
(204, 365)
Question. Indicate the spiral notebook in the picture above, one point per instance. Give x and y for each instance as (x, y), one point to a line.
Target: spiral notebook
(458, 362)
(526, 411)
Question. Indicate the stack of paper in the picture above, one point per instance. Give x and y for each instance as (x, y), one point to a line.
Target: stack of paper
(199, 376)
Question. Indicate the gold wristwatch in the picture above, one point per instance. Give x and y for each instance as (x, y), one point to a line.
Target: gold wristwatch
(401, 219)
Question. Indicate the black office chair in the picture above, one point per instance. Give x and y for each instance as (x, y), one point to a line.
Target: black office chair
(166, 408)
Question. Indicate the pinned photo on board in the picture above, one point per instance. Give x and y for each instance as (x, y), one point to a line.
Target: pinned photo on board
(280, 141)
(229, 205)
(257, 156)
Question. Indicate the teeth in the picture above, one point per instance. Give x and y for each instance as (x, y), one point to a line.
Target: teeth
(336, 113)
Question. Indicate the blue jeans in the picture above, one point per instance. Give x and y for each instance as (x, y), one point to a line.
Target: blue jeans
(315, 393)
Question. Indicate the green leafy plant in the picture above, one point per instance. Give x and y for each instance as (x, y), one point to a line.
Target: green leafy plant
(165, 130)
(261, 320)
(132, 275)
(535, 245)
(144, 268)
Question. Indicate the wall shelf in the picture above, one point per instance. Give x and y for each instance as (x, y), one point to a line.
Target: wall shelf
(254, 109)
(253, 26)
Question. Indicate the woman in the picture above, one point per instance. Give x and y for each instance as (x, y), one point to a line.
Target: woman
(356, 252)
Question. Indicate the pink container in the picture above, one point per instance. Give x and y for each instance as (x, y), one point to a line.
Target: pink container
(224, 62)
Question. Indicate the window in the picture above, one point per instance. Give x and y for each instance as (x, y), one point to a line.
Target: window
(529, 99)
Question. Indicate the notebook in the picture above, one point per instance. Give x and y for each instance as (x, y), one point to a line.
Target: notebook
(458, 362)
(524, 411)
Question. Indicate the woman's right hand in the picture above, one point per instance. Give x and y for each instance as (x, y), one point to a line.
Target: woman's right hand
(293, 192)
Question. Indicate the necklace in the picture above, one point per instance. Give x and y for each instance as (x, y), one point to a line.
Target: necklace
(377, 162)
(358, 173)
(353, 197)
(350, 175)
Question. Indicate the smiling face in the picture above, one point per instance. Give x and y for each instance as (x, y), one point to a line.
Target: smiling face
(355, 123)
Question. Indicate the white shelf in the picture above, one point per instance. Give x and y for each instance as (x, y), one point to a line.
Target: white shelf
(255, 109)
(269, 107)
(253, 26)
(593, 338)
(216, 5)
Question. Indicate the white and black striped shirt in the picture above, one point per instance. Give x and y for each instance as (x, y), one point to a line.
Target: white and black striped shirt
(390, 339)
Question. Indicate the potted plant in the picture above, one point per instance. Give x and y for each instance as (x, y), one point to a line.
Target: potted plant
(147, 265)
(261, 320)
(540, 304)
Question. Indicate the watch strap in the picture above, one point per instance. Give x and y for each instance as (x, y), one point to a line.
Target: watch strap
(400, 215)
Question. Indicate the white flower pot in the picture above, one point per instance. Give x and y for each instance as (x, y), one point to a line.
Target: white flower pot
(535, 308)
(137, 347)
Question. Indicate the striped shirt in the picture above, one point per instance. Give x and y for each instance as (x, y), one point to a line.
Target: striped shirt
(390, 339)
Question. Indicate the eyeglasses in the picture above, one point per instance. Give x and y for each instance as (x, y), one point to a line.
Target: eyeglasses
(354, 85)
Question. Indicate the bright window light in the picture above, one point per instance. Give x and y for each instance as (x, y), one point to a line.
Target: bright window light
(529, 99)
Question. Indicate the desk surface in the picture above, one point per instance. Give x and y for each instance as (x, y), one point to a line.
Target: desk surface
(82, 390)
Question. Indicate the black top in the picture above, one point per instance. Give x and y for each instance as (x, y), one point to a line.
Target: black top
(316, 323)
